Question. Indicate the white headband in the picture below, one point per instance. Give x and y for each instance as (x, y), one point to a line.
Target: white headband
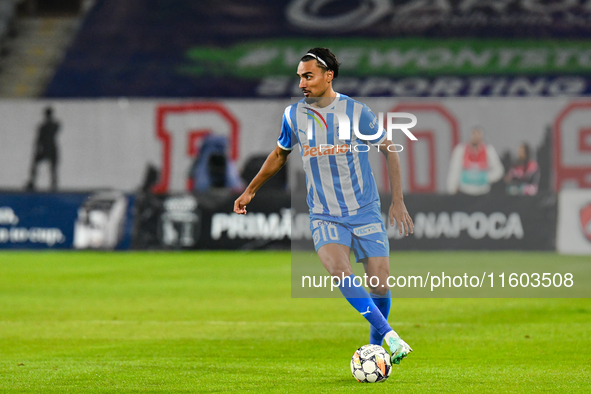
(317, 58)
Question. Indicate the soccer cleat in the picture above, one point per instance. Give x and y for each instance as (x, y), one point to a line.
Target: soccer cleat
(398, 348)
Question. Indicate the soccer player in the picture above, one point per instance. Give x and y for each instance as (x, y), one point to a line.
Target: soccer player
(342, 193)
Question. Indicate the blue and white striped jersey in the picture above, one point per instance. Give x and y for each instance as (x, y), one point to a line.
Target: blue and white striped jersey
(339, 178)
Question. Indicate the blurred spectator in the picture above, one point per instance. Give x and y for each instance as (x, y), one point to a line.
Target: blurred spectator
(45, 149)
(148, 208)
(212, 168)
(524, 176)
(474, 166)
(544, 159)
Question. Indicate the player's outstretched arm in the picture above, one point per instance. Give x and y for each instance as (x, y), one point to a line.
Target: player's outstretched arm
(397, 209)
(271, 166)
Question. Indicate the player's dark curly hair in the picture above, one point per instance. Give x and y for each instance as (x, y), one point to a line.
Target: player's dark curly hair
(325, 54)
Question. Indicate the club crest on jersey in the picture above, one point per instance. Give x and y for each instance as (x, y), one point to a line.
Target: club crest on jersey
(585, 216)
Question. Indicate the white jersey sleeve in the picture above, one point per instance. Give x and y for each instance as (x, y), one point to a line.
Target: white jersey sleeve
(287, 139)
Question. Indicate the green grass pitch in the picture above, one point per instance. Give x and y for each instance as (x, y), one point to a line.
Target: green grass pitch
(215, 322)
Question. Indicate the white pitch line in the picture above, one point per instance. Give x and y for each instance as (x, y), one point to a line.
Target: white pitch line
(219, 323)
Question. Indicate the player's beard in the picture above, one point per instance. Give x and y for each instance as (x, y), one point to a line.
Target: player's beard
(316, 99)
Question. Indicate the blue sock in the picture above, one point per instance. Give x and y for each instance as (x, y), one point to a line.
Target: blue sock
(383, 303)
(359, 298)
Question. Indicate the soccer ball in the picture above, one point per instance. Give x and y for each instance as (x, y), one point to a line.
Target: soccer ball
(370, 364)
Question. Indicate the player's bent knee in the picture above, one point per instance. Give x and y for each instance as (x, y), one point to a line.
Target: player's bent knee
(339, 271)
(337, 267)
(380, 290)
(335, 262)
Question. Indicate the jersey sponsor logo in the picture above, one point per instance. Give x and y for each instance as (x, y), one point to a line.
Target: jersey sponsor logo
(325, 150)
(368, 229)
